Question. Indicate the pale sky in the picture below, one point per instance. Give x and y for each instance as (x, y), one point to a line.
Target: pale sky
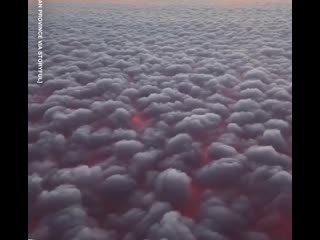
(157, 2)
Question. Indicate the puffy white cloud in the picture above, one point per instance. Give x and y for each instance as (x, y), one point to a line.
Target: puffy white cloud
(90, 233)
(59, 198)
(267, 155)
(126, 148)
(120, 117)
(117, 187)
(224, 220)
(124, 134)
(155, 213)
(252, 93)
(246, 105)
(271, 52)
(219, 150)
(197, 124)
(144, 161)
(173, 186)
(71, 119)
(253, 130)
(273, 137)
(270, 185)
(171, 227)
(257, 74)
(34, 187)
(179, 143)
(277, 107)
(279, 124)
(62, 221)
(79, 176)
(176, 69)
(241, 118)
(227, 80)
(222, 172)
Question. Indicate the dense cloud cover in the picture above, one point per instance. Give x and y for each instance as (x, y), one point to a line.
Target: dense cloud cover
(163, 122)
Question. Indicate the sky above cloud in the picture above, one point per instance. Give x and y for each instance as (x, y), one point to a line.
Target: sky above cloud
(180, 2)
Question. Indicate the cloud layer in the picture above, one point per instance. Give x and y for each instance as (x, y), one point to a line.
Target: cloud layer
(161, 123)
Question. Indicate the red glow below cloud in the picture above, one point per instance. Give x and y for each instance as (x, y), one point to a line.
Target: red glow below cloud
(282, 229)
(138, 121)
(278, 228)
(230, 93)
(218, 131)
(33, 223)
(94, 159)
(205, 157)
(39, 98)
(191, 209)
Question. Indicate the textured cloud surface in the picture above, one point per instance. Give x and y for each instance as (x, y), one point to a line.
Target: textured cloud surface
(161, 122)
